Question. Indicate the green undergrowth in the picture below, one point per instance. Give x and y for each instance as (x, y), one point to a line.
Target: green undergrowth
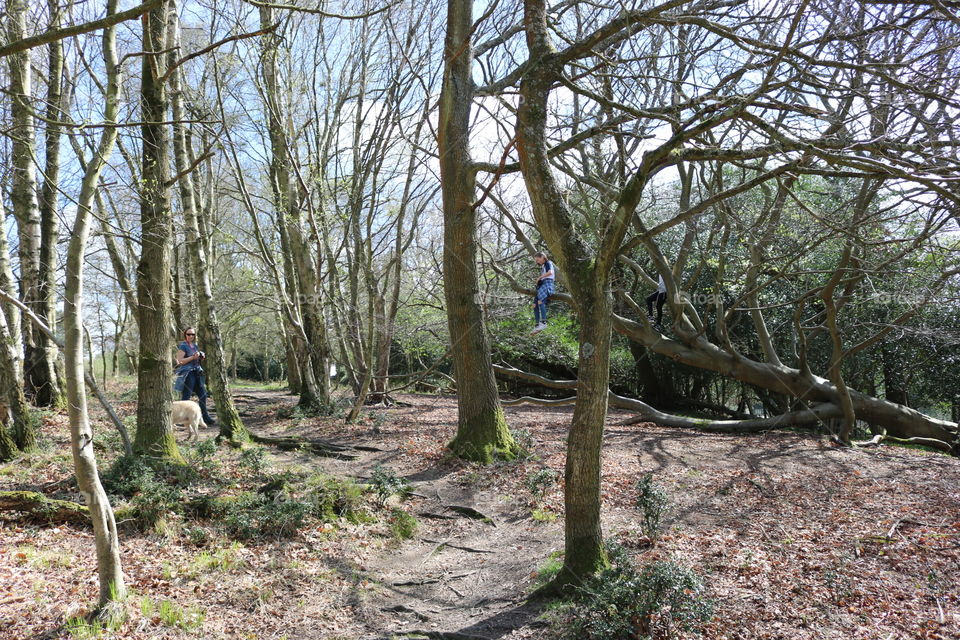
(243, 495)
(629, 601)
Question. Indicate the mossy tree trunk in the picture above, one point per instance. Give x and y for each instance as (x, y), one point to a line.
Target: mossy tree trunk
(16, 414)
(155, 436)
(481, 427)
(23, 193)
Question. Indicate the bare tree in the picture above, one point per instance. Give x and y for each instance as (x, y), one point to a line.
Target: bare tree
(231, 427)
(112, 589)
(482, 428)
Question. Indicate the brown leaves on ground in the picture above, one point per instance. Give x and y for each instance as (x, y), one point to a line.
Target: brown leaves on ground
(796, 538)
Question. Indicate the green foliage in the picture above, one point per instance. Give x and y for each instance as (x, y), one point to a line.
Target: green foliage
(128, 474)
(403, 526)
(227, 559)
(385, 482)
(81, 629)
(155, 501)
(330, 497)
(539, 482)
(254, 458)
(203, 455)
(543, 515)
(197, 536)
(256, 516)
(653, 502)
(548, 570)
(627, 603)
(170, 614)
(153, 486)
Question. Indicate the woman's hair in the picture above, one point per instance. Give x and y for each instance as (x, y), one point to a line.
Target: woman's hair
(189, 329)
(541, 254)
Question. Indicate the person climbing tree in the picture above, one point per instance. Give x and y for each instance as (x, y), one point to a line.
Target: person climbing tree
(545, 289)
(659, 296)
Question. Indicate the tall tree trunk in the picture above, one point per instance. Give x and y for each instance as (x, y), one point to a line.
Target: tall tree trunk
(231, 427)
(587, 276)
(583, 537)
(155, 436)
(481, 425)
(16, 423)
(293, 367)
(23, 195)
(13, 404)
(112, 589)
(299, 265)
(49, 387)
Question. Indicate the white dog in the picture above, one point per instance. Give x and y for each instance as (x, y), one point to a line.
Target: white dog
(187, 412)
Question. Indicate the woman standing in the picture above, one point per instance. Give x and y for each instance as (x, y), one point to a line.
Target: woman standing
(190, 373)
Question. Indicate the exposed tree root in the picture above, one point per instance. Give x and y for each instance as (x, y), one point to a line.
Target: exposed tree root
(951, 448)
(321, 448)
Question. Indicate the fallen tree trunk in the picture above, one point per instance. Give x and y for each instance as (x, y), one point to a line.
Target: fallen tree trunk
(900, 421)
(43, 508)
(649, 414)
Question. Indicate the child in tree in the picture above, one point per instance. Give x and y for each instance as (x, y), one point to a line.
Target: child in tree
(545, 289)
(659, 296)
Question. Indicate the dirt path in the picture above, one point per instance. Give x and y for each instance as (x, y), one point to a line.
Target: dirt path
(799, 539)
(796, 539)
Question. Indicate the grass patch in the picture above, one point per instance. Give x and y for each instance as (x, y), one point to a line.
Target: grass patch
(226, 560)
(169, 614)
(42, 559)
(403, 526)
(548, 570)
(81, 629)
(543, 515)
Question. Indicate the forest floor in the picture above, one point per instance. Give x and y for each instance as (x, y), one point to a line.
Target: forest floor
(795, 538)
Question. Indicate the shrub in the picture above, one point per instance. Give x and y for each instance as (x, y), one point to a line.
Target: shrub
(624, 603)
(254, 459)
(653, 502)
(385, 482)
(330, 498)
(539, 482)
(153, 498)
(126, 476)
(253, 515)
(154, 503)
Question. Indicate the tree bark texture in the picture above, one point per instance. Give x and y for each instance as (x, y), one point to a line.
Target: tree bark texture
(155, 436)
(481, 428)
(106, 540)
(23, 194)
(299, 266)
(49, 392)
